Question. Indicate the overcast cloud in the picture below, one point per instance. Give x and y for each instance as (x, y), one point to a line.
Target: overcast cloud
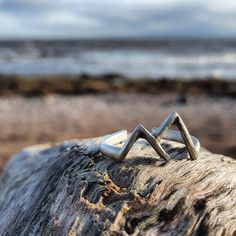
(116, 18)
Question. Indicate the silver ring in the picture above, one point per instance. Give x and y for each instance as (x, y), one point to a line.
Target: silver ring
(108, 145)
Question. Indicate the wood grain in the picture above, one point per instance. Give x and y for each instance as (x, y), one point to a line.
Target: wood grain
(72, 189)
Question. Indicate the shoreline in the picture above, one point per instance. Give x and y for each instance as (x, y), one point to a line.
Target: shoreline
(33, 86)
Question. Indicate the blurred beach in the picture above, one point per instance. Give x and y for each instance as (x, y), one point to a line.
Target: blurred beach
(52, 91)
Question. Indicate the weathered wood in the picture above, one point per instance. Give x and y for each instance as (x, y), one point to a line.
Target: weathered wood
(71, 189)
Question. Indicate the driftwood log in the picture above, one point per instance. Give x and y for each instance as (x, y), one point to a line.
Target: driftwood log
(72, 189)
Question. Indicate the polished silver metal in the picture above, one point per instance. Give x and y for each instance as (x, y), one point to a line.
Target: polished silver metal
(162, 132)
(108, 145)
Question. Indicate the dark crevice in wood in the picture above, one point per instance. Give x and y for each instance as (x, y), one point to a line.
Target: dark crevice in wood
(170, 194)
(132, 223)
(167, 215)
(200, 205)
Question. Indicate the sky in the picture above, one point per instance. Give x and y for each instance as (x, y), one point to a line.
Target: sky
(39, 19)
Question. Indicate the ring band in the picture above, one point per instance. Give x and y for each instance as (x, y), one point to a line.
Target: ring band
(109, 148)
(108, 145)
(176, 136)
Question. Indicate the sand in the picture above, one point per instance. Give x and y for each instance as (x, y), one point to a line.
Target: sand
(54, 118)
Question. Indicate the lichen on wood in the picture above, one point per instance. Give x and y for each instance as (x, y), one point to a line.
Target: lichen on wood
(72, 189)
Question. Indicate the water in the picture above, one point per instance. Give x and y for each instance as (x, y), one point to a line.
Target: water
(154, 59)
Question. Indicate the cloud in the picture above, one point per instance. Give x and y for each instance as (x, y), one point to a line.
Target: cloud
(67, 18)
(8, 22)
(109, 18)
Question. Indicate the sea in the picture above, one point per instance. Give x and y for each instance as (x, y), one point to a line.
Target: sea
(133, 58)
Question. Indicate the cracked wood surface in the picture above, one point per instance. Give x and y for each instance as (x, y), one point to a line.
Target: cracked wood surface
(72, 189)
